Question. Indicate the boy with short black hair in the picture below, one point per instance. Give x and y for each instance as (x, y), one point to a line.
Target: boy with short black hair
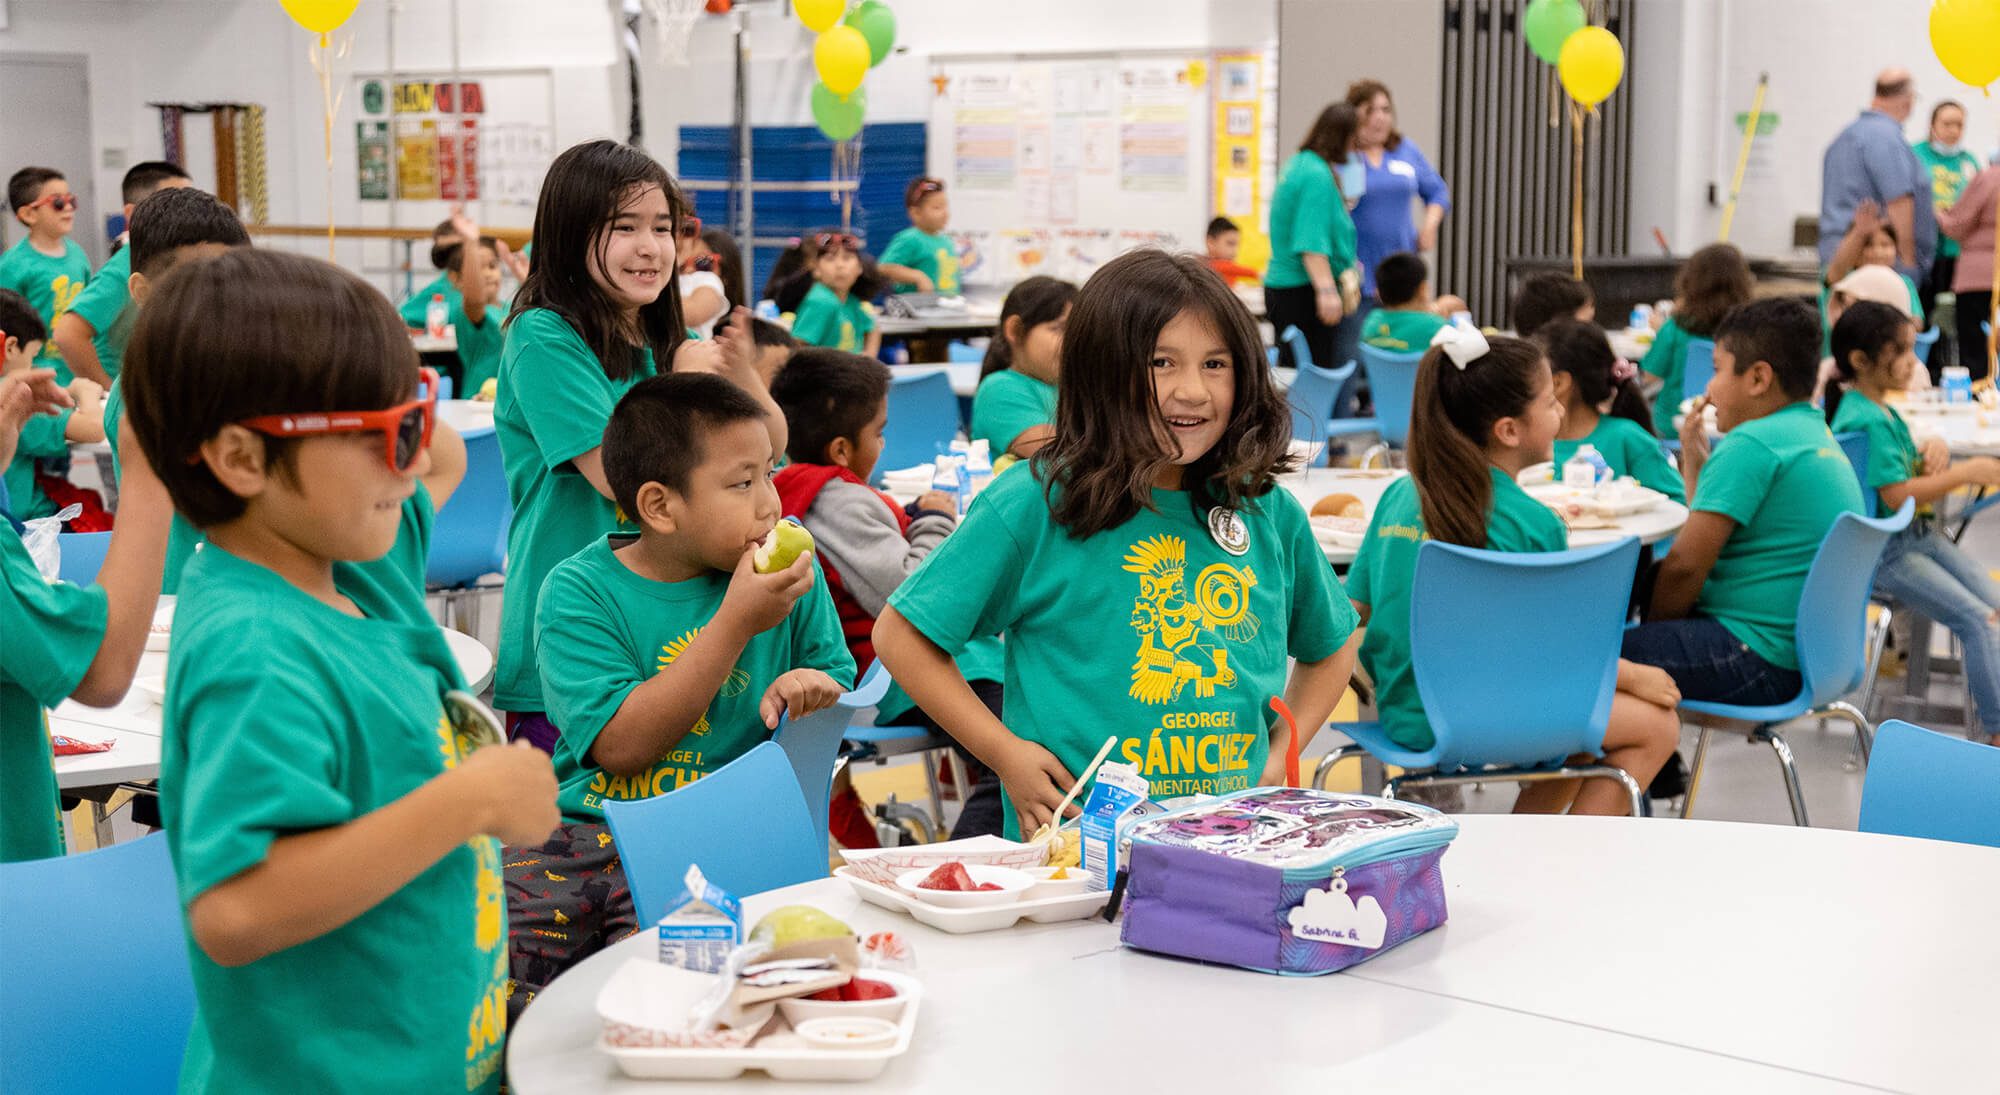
(91, 336)
(1407, 318)
(43, 437)
(47, 266)
(1224, 240)
(445, 236)
(1725, 602)
(665, 655)
(836, 405)
(476, 315)
(1551, 296)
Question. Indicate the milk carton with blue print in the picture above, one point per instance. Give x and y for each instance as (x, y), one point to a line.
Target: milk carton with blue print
(703, 924)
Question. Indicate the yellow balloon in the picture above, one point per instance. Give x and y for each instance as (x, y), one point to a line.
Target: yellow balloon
(1591, 64)
(1966, 36)
(819, 15)
(319, 16)
(841, 55)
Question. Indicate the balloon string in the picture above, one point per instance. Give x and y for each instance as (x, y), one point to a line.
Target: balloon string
(1576, 193)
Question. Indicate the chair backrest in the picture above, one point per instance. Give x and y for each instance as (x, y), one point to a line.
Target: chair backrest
(1516, 655)
(82, 556)
(1923, 784)
(1314, 390)
(1392, 382)
(84, 932)
(1925, 341)
(746, 824)
(1697, 367)
(958, 353)
(812, 746)
(1854, 444)
(1833, 604)
(470, 537)
(923, 418)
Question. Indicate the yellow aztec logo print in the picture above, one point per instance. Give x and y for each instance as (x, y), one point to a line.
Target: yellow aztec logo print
(947, 279)
(737, 683)
(1182, 640)
(492, 898)
(447, 743)
(65, 290)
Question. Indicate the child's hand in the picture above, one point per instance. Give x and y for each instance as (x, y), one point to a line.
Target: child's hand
(86, 393)
(1981, 471)
(937, 501)
(515, 789)
(738, 344)
(798, 694)
(700, 356)
(1036, 781)
(1937, 455)
(461, 223)
(1694, 431)
(1649, 683)
(924, 283)
(1867, 218)
(515, 264)
(759, 602)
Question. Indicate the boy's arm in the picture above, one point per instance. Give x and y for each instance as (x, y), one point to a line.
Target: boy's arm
(1686, 567)
(898, 274)
(739, 366)
(871, 345)
(76, 339)
(313, 883)
(447, 454)
(860, 539)
(130, 576)
(1867, 218)
(471, 288)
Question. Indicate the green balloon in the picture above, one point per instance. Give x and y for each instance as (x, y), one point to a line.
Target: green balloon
(1549, 23)
(839, 118)
(877, 24)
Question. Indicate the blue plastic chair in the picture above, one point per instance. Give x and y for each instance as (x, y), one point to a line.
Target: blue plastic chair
(958, 353)
(1924, 784)
(1854, 445)
(469, 538)
(746, 824)
(867, 742)
(1392, 381)
(923, 419)
(1511, 710)
(1925, 341)
(82, 556)
(812, 744)
(1832, 639)
(1697, 367)
(83, 933)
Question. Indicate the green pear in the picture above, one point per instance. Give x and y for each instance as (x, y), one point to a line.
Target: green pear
(788, 540)
(798, 924)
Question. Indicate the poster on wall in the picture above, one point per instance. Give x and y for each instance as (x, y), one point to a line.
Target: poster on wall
(371, 160)
(458, 162)
(1242, 145)
(1154, 117)
(416, 159)
(985, 118)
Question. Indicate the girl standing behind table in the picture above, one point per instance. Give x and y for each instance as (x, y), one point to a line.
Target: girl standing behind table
(1014, 410)
(598, 311)
(1150, 577)
(1485, 410)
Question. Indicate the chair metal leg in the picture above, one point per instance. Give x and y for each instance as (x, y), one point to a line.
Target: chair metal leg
(1791, 773)
(1327, 762)
(1878, 639)
(1379, 448)
(930, 762)
(1641, 807)
(1864, 734)
(1694, 772)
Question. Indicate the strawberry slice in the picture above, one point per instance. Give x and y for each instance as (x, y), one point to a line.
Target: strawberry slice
(861, 989)
(950, 876)
(984, 887)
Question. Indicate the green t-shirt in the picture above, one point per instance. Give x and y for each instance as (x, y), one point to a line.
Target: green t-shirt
(285, 716)
(42, 438)
(1783, 480)
(1667, 359)
(606, 630)
(935, 255)
(1401, 331)
(416, 310)
(1630, 450)
(53, 632)
(182, 538)
(1386, 568)
(1208, 632)
(1893, 456)
(824, 319)
(1307, 217)
(1009, 403)
(1949, 178)
(479, 345)
(106, 304)
(51, 283)
(552, 407)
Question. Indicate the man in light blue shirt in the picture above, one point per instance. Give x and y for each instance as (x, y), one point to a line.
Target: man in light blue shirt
(1871, 161)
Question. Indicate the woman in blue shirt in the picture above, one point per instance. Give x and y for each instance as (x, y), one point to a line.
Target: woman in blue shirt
(1396, 171)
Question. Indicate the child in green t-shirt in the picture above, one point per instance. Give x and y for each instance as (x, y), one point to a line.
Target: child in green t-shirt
(1603, 406)
(1874, 348)
(65, 641)
(1545, 297)
(477, 313)
(1151, 581)
(1014, 408)
(1461, 490)
(415, 311)
(43, 437)
(835, 313)
(1408, 316)
(665, 655)
(1712, 281)
(47, 266)
(921, 258)
(1726, 600)
(91, 336)
(333, 801)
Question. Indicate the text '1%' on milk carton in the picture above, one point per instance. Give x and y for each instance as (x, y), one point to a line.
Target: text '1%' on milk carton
(1117, 799)
(703, 924)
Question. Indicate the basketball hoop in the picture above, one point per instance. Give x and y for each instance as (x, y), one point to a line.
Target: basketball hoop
(673, 26)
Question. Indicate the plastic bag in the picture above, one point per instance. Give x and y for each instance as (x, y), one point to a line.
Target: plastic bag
(40, 537)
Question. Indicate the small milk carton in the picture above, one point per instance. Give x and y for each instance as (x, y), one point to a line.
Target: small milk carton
(703, 924)
(1118, 798)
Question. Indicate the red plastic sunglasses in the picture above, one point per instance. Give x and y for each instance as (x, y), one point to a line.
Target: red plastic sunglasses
(837, 241)
(690, 227)
(58, 202)
(406, 428)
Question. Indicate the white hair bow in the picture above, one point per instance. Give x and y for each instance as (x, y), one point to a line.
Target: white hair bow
(1464, 345)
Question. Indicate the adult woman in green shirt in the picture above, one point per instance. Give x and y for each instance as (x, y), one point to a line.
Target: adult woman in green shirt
(1950, 168)
(1313, 282)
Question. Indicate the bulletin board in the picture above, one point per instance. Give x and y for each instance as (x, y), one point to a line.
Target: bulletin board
(1057, 163)
(410, 144)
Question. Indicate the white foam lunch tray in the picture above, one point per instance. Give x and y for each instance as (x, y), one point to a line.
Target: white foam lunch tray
(797, 1061)
(1047, 910)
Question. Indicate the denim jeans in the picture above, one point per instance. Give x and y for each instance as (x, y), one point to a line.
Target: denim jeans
(1708, 663)
(1929, 573)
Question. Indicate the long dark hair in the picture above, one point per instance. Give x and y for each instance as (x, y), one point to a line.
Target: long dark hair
(1582, 351)
(1099, 470)
(1332, 133)
(1866, 326)
(1711, 282)
(582, 193)
(1037, 300)
(728, 264)
(1452, 412)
